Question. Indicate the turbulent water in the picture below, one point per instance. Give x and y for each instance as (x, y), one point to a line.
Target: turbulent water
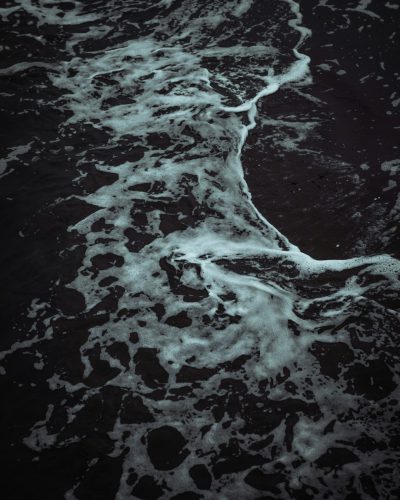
(163, 338)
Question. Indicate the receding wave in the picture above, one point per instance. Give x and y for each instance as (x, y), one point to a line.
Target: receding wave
(193, 349)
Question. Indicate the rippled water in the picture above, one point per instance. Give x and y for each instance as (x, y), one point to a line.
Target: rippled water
(164, 339)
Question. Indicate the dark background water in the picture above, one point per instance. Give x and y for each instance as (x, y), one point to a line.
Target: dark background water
(323, 200)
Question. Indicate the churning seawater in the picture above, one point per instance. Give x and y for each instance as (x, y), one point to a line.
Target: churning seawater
(167, 340)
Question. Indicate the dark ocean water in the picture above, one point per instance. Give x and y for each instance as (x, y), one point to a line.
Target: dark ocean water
(200, 274)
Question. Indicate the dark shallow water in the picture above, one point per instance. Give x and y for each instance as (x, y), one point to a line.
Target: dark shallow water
(329, 192)
(200, 238)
